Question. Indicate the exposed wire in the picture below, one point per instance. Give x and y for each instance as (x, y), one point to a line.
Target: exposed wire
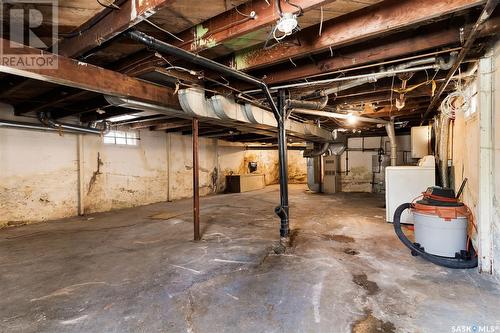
(456, 101)
(92, 22)
(109, 5)
(251, 15)
(321, 23)
(164, 30)
(278, 8)
(301, 11)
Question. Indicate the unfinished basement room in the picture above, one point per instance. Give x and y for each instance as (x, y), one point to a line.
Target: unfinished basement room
(250, 166)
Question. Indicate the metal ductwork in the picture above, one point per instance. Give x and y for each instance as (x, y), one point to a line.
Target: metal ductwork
(28, 126)
(311, 105)
(444, 137)
(431, 62)
(339, 116)
(278, 109)
(47, 120)
(391, 133)
(317, 152)
(226, 111)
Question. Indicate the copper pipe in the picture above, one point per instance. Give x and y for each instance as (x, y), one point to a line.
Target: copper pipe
(196, 187)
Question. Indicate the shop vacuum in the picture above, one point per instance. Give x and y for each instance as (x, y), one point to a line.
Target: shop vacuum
(443, 226)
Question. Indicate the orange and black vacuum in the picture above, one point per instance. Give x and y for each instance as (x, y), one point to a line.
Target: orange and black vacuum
(443, 229)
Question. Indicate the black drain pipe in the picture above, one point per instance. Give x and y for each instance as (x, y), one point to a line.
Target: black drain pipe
(282, 210)
(279, 113)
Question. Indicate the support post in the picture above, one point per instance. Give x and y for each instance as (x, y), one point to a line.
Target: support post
(196, 187)
(283, 210)
(81, 184)
(278, 111)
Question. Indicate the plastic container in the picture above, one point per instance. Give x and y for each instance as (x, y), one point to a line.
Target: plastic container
(440, 236)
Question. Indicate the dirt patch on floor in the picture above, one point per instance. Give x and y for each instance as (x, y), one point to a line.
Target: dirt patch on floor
(294, 234)
(371, 324)
(339, 238)
(351, 252)
(166, 215)
(362, 281)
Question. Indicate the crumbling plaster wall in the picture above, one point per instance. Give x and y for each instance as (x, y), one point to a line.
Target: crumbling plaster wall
(181, 166)
(39, 171)
(359, 177)
(117, 176)
(38, 176)
(234, 159)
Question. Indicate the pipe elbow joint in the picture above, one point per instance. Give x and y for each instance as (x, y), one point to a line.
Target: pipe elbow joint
(281, 212)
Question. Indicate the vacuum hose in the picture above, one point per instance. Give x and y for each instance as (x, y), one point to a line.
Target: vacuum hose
(441, 261)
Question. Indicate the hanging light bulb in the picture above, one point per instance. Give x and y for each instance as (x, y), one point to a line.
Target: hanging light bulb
(351, 119)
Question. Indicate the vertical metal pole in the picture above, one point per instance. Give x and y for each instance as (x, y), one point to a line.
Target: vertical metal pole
(196, 187)
(81, 183)
(283, 210)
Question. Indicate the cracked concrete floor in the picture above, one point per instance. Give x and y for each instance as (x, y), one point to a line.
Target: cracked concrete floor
(137, 270)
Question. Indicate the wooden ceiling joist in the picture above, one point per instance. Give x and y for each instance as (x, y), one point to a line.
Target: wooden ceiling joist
(388, 49)
(232, 24)
(222, 28)
(88, 77)
(374, 21)
(131, 12)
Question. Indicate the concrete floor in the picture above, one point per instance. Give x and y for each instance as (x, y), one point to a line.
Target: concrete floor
(137, 270)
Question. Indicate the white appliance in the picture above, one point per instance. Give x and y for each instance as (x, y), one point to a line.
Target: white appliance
(420, 141)
(405, 183)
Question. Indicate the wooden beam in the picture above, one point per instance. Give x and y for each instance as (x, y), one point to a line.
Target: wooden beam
(387, 112)
(386, 49)
(171, 125)
(231, 24)
(149, 123)
(368, 23)
(117, 21)
(85, 76)
(220, 29)
(53, 98)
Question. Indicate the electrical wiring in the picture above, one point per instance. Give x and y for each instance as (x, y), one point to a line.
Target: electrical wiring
(115, 5)
(301, 11)
(321, 22)
(109, 5)
(163, 30)
(246, 17)
(456, 101)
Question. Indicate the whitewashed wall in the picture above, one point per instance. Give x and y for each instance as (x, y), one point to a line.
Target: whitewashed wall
(359, 177)
(496, 168)
(466, 160)
(39, 171)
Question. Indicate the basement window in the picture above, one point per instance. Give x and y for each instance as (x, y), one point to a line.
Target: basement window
(122, 138)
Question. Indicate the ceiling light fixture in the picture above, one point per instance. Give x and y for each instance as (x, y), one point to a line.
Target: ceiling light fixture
(352, 119)
(287, 23)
